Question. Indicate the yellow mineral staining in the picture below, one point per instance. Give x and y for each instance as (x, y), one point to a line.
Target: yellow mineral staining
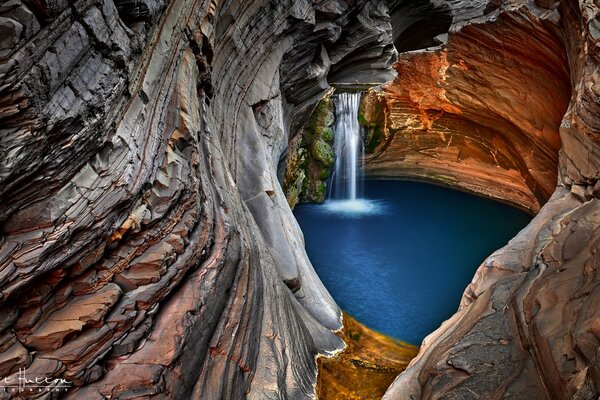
(366, 368)
(132, 222)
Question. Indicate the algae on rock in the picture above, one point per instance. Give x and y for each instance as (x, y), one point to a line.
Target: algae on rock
(372, 117)
(311, 156)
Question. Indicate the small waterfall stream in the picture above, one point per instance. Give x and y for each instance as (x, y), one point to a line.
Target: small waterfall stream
(345, 191)
(348, 148)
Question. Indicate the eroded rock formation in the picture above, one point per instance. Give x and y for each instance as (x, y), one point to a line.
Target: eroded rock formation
(147, 248)
(483, 111)
(527, 327)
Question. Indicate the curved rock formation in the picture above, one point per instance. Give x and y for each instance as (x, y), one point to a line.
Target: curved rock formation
(527, 327)
(482, 112)
(146, 246)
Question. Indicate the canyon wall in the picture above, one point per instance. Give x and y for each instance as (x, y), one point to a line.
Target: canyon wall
(146, 247)
(527, 327)
(481, 113)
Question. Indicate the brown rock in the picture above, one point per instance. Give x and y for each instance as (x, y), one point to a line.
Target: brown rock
(146, 243)
(78, 313)
(13, 359)
(480, 113)
(526, 327)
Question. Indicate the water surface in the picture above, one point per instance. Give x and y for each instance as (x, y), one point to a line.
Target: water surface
(400, 261)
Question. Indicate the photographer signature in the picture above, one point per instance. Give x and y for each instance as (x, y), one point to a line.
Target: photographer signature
(28, 383)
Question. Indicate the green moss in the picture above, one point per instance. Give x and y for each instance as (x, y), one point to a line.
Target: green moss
(320, 193)
(302, 157)
(327, 134)
(311, 158)
(361, 115)
(323, 115)
(323, 152)
(373, 121)
(324, 173)
(375, 138)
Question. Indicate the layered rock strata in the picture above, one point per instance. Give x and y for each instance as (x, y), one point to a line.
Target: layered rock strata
(481, 113)
(146, 246)
(527, 327)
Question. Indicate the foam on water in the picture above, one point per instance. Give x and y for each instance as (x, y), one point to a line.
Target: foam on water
(354, 208)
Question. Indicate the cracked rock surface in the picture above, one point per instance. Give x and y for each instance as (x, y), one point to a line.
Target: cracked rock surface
(147, 249)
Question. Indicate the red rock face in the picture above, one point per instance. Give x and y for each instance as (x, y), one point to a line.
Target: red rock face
(482, 113)
(527, 327)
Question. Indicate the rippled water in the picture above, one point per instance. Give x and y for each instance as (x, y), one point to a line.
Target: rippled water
(400, 261)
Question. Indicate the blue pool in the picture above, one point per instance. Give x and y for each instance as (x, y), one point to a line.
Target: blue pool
(400, 261)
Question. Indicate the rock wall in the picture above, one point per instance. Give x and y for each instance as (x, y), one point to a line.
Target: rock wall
(146, 247)
(311, 156)
(527, 327)
(481, 113)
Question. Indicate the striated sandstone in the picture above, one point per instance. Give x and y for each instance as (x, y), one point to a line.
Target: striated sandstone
(527, 324)
(146, 245)
(481, 113)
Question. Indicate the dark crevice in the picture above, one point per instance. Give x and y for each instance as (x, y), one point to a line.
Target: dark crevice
(136, 11)
(417, 24)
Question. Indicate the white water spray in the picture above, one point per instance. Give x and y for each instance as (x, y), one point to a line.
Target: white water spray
(348, 148)
(345, 195)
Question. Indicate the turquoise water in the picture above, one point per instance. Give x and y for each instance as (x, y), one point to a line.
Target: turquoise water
(400, 261)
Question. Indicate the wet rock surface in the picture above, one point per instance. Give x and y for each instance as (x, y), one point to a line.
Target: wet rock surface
(310, 156)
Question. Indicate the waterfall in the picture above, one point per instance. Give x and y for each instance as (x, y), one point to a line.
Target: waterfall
(345, 194)
(348, 148)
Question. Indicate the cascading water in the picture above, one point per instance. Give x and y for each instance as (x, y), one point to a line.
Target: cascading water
(345, 194)
(348, 148)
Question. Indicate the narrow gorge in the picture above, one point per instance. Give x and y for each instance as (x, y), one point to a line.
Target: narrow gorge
(152, 152)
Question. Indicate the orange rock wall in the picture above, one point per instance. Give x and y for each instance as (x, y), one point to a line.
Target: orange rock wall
(527, 325)
(482, 113)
